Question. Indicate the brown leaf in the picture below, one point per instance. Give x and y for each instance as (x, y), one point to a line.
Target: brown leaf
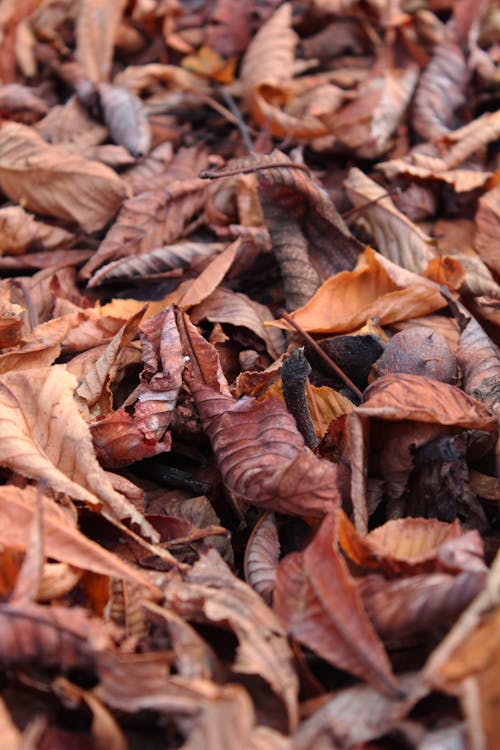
(402, 396)
(61, 539)
(395, 236)
(266, 75)
(125, 118)
(405, 546)
(148, 221)
(96, 27)
(11, 321)
(225, 306)
(419, 604)
(317, 600)
(440, 92)
(262, 556)
(55, 183)
(263, 648)
(367, 124)
(261, 454)
(480, 363)
(105, 732)
(20, 230)
(487, 227)
(375, 288)
(11, 736)
(45, 437)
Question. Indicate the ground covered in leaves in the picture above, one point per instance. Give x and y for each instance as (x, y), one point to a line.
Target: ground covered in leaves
(249, 375)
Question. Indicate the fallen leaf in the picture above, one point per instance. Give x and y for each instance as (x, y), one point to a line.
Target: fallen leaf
(125, 118)
(262, 557)
(51, 182)
(318, 601)
(487, 224)
(20, 230)
(372, 290)
(52, 442)
(96, 27)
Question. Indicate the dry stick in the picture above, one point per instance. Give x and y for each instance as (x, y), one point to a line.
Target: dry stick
(242, 126)
(355, 209)
(333, 365)
(211, 174)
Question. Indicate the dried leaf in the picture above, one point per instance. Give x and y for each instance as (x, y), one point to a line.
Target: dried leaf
(375, 289)
(487, 227)
(262, 556)
(261, 454)
(225, 306)
(96, 27)
(52, 182)
(440, 92)
(11, 736)
(263, 648)
(51, 441)
(419, 604)
(317, 600)
(395, 236)
(402, 396)
(480, 363)
(20, 230)
(125, 118)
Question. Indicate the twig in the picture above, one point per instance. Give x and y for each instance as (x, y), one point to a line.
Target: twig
(242, 126)
(355, 209)
(212, 174)
(324, 356)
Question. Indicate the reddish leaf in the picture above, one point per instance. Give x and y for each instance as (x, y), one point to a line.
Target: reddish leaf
(317, 599)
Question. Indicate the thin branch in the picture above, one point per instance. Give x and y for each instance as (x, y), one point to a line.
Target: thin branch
(356, 209)
(212, 174)
(324, 356)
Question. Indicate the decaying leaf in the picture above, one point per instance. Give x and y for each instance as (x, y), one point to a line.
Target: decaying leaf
(53, 182)
(52, 442)
(317, 599)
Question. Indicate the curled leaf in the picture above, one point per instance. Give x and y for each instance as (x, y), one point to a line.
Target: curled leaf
(125, 118)
(262, 556)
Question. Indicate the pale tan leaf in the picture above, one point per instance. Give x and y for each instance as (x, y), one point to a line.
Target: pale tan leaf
(50, 182)
(488, 228)
(262, 557)
(462, 180)
(125, 117)
(11, 736)
(96, 27)
(43, 436)
(19, 230)
(395, 236)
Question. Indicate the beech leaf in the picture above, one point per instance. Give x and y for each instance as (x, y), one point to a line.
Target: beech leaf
(56, 183)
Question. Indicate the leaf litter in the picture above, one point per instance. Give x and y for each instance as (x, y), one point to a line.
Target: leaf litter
(249, 375)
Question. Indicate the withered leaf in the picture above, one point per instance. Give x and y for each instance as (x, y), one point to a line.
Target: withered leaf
(262, 557)
(54, 182)
(402, 396)
(262, 456)
(61, 538)
(396, 237)
(318, 601)
(375, 288)
(125, 118)
(487, 227)
(263, 648)
(96, 26)
(44, 437)
(19, 230)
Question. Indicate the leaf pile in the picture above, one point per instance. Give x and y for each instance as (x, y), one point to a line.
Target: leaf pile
(249, 375)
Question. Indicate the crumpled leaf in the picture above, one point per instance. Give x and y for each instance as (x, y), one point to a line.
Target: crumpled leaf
(367, 124)
(19, 230)
(44, 437)
(403, 396)
(395, 236)
(121, 438)
(96, 27)
(376, 288)
(53, 182)
(318, 601)
(11, 319)
(262, 456)
(263, 648)
(266, 75)
(262, 556)
(405, 607)
(225, 306)
(125, 118)
(61, 538)
(407, 546)
(440, 92)
(480, 363)
(147, 221)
